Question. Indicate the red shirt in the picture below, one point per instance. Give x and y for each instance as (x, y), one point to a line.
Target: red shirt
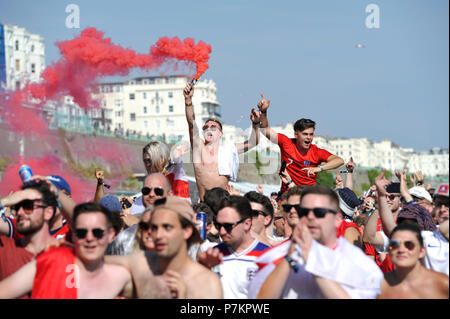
(295, 161)
(55, 274)
(12, 257)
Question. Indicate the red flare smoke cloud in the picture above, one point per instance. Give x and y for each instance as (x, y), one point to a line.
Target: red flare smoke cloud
(91, 56)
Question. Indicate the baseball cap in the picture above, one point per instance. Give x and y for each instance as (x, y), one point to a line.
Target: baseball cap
(60, 183)
(348, 201)
(111, 202)
(441, 190)
(182, 208)
(421, 193)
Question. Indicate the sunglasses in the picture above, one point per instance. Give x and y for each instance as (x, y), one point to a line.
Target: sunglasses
(81, 233)
(147, 160)
(158, 191)
(318, 212)
(227, 226)
(395, 244)
(28, 206)
(212, 128)
(144, 226)
(277, 217)
(392, 197)
(257, 212)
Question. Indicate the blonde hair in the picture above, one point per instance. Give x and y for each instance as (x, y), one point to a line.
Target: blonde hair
(159, 154)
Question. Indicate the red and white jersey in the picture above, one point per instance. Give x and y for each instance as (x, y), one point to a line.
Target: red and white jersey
(238, 270)
(178, 180)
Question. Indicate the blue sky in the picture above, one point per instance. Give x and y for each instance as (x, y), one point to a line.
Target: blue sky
(301, 54)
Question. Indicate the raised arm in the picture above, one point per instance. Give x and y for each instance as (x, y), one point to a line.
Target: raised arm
(350, 166)
(194, 136)
(370, 234)
(255, 117)
(263, 105)
(99, 190)
(387, 219)
(332, 162)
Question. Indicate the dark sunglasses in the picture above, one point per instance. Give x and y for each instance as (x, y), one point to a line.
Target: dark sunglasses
(257, 212)
(227, 226)
(277, 217)
(212, 128)
(318, 212)
(144, 226)
(147, 160)
(392, 196)
(395, 244)
(81, 233)
(158, 191)
(28, 206)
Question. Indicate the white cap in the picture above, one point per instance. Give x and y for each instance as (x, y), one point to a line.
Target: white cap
(421, 193)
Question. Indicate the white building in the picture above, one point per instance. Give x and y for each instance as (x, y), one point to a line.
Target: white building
(155, 105)
(22, 56)
(433, 162)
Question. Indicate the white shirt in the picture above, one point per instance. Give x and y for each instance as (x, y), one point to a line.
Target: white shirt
(237, 270)
(357, 274)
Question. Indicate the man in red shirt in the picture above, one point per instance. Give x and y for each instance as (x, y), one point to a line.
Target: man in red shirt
(35, 206)
(303, 159)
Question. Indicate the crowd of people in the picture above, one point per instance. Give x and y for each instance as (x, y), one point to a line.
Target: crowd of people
(306, 241)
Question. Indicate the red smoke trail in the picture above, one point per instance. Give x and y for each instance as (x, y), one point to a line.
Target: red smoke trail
(90, 56)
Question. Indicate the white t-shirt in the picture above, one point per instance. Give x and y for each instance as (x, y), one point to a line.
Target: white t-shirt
(237, 270)
(437, 247)
(357, 274)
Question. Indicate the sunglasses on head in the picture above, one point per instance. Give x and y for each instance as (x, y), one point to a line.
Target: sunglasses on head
(81, 233)
(228, 226)
(395, 244)
(318, 212)
(28, 206)
(158, 191)
(144, 226)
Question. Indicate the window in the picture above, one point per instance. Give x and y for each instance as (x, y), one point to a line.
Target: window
(157, 109)
(118, 102)
(170, 94)
(171, 108)
(145, 124)
(133, 117)
(118, 114)
(17, 45)
(145, 110)
(144, 95)
(131, 96)
(170, 123)
(32, 48)
(33, 68)
(17, 65)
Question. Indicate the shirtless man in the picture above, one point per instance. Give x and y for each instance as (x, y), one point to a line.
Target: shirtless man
(173, 230)
(411, 279)
(65, 272)
(205, 152)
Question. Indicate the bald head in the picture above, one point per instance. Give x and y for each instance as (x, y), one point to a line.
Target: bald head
(153, 184)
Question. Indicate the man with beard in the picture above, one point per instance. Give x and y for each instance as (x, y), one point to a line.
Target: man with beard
(35, 206)
(215, 163)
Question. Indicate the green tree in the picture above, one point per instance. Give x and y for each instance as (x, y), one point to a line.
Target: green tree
(325, 178)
